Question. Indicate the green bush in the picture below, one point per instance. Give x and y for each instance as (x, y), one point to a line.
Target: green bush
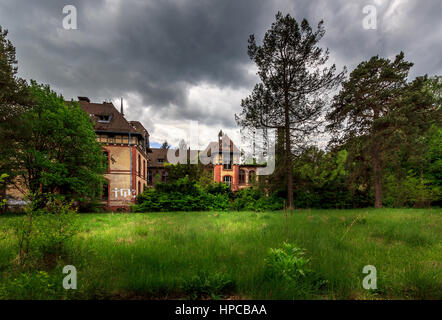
(411, 191)
(188, 195)
(254, 199)
(44, 235)
(184, 195)
(288, 263)
(35, 285)
(205, 285)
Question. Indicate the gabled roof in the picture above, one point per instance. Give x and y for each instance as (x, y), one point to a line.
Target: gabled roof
(157, 153)
(160, 153)
(138, 127)
(223, 145)
(117, 121)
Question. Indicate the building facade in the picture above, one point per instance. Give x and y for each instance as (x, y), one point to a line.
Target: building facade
(132, 166)
(125, 145)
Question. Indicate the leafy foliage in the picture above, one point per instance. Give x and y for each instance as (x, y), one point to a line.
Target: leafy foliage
(287, 262)
(57, 151)
(44, 234)
(187, 195)
(377, 112)
(203, 285)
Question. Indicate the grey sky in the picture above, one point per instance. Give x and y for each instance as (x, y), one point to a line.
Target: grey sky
(174, 61)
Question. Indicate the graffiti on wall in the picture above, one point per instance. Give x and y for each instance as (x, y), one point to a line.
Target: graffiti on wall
(125, 194)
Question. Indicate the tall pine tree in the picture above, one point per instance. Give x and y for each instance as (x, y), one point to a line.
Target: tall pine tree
(293, 77)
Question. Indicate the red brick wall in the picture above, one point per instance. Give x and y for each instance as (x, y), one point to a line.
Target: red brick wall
(235, 177)
(217, 173)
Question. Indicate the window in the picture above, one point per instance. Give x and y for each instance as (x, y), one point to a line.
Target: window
(104, 118)
(160, 160)
(139, 165)
(242, 177)
(105, 191)
(149, 177)
(227, 180)
(227, 161)
(164, 176)
(139, 187)
(144, 169)
(251, 176)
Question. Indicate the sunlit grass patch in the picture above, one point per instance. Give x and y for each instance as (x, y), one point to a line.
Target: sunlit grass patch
(222, 254)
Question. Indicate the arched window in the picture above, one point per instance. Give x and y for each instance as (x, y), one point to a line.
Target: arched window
(227, 180)
(139, 165)
(242, 177)
(251, 176)
(105, 191)
(149, 177)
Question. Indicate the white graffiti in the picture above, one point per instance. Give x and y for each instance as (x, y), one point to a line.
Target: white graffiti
(125, 193)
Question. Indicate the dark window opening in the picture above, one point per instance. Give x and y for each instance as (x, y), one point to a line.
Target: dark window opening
(227, 166)
(160, 160)
(227, 162)
(139, 165)
(149, 177)
(105, 192)
(144, 169)
(104, 118)
(242, 177)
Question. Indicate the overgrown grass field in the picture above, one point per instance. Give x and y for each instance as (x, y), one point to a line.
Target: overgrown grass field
(223, 255)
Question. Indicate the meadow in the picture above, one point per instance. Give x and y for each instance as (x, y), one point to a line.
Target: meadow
(222, 255)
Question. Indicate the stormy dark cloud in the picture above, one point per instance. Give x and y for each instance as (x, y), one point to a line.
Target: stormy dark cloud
(180, 60)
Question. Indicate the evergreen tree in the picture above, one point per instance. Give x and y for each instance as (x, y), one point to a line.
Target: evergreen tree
(377, 112)
(293, 79)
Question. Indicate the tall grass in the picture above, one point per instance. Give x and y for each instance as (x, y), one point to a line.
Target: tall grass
(222, 255)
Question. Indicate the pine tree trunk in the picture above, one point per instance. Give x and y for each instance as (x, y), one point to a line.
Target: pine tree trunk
(288, 157)
(377, 180)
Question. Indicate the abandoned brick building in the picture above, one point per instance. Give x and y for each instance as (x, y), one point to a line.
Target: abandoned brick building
(132, 166)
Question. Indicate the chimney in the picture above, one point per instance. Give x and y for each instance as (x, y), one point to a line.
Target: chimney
(122, 113)
(84, 99)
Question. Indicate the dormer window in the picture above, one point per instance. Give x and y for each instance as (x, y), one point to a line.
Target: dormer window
(160, 160)
(104, 118)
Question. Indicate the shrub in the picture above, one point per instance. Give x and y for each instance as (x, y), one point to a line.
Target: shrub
(208, 285)
(44, 234)
(183, 195)
(187, 195)
(32, 285)
(253, 199)
(288, 263)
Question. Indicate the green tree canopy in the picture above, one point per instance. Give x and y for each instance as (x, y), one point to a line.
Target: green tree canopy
(56, 149)
(377, 112)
